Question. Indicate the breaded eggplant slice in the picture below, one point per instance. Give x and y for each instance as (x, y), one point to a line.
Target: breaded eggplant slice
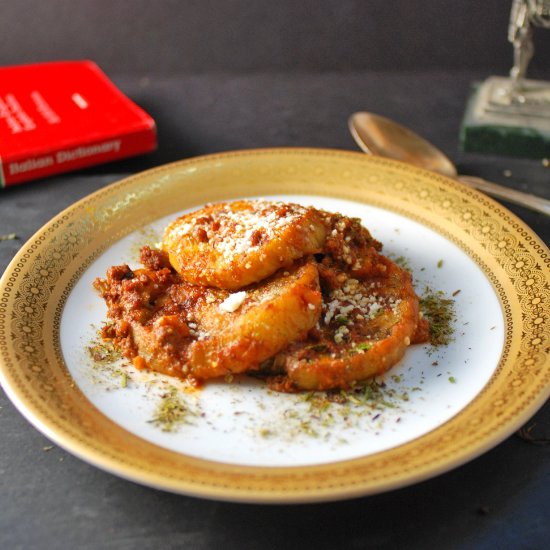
(231, 245)
(168, 325)
(366, 325)
(349, 245)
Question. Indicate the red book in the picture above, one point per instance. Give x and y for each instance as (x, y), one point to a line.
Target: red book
(62, 116)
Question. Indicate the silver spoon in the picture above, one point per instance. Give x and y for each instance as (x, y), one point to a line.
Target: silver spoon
(380, 136)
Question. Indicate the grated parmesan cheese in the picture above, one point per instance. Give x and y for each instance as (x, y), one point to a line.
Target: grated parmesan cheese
(233, 302)
(355, 300)
(239, 231)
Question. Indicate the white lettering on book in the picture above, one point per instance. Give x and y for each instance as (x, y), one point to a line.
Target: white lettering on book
(80, 101)
(31, 164)
(44, 108)
(88, 151)
(12, 122)
(18, 112)
(67, 155)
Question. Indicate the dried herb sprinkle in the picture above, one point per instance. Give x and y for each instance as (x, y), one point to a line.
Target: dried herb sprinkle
(171, 412)
(8, 237)
(440, 313)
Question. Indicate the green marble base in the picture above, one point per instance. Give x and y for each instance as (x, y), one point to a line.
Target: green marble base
(498, 124)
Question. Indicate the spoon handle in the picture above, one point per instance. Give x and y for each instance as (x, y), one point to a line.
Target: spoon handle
(524, 199)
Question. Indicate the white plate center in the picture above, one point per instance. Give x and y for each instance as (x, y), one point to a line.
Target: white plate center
(245, 423)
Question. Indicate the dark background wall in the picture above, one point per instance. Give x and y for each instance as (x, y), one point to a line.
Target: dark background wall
(178, 36)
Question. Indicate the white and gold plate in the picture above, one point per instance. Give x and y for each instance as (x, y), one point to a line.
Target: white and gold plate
(438, 408)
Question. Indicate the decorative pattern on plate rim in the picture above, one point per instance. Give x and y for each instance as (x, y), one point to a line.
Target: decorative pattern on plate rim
(37, 283)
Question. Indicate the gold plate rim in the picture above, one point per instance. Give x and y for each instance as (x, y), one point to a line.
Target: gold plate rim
(43, 272)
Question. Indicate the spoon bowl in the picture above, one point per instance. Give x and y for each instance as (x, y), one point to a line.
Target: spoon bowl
(380, 136)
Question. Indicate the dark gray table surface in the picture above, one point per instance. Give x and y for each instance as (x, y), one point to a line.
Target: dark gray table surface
(53, 500)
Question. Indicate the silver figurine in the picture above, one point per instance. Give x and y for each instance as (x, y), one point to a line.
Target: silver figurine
(525, 15)
(511, 115)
